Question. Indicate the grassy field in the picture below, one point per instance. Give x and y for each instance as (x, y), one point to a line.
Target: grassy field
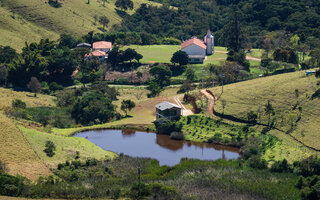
(252, 95)
(25, 20)
(15, 150)
(66, 147)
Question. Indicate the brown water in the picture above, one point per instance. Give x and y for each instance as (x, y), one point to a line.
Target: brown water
(160, 147)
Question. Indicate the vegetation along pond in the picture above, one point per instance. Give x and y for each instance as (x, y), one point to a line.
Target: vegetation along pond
(160, 147)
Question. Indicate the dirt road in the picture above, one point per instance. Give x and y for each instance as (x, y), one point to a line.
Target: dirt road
(185, 112)
(211, 100)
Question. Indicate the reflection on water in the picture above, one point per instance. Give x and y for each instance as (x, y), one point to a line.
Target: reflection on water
(160, 147)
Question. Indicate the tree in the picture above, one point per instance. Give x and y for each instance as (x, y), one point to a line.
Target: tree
(266, 63)
(7, 54)
(224, 104)
(161, 75)
(93, 108)
(104, 21)
(124, 4)
(34, 85)
(315, 57)
(3, 74)
(154, 89)
(130, 54)
(127, 105)
(269, 110)
(190, 74)
(180, 57)
(50, 147)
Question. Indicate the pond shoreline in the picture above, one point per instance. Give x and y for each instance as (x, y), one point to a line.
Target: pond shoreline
(161, 147)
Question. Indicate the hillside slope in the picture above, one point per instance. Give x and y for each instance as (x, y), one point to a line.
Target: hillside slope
(25, 20)
(252, 95)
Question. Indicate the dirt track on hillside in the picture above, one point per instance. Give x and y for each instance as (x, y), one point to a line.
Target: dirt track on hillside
(211, 100)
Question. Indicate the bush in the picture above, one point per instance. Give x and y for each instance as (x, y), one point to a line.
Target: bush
(177, 136)
(19, 104)
(280, 166)
(252, 117)
(55, 3)
(10, 185)
(165, 126)
(50, 148)
(257, 163)
(55, 86)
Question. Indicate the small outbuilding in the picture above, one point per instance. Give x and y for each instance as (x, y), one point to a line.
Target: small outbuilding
(84, 45)
(168, 110)
(102, 46)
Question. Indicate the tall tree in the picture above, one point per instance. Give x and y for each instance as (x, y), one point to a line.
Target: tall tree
(104, 21)
(34, 85)
(127, 106)
(161, 75)
(124, 4)
(180, 57)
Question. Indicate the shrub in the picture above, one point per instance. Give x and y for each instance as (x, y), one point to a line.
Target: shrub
(55, 86)
(10, 185)
(165, 126)
(139, 191)
(280, 166)
(50, 148)
(257, 163)
(252, 116)
(55, 3)
(17, 103)
(161, 191)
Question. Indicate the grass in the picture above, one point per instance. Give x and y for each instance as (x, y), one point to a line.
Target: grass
(252, 95)
(142, 115)
(8, 95)
(66, 147)
(32, 20)
(15, 150)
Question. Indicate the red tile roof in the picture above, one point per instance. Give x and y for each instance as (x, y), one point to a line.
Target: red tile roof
(97, 53)
(193, 40)
(102, 45)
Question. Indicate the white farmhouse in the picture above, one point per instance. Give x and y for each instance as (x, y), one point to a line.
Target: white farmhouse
(198, 49)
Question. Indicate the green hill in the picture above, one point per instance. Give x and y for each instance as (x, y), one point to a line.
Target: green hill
(25, 20)
(252, 95)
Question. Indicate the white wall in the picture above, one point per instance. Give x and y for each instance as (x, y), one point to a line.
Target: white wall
(194, 50)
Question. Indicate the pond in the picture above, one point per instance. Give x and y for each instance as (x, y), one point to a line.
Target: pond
(160, 147)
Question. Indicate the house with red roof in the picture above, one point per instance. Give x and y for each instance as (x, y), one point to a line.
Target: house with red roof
(197, 49)
(101, 55)
(102, 46)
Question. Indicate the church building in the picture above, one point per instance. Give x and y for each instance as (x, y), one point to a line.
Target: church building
(197, 49)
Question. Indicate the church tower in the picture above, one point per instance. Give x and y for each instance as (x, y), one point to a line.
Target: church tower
(209, 41)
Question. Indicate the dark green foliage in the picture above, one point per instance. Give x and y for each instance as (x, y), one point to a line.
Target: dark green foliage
(286, 55)
(252, 116)
(161, 75)
(281, 166)
(165, 126)
(317, 73)
(124, 4)
(53, 86)
(127, 106)
(139, 191)
(186, 87)
(193, 17)
(50, 148)
(180, 57)
(10, 185)
(307, 167)
(19, 104)
(315, 57)
(93, 108)
(55, 3)
(310, 187)
(154, 89)
(7, 54)
(190, 74)
(104, 21)
(3, 74)
(57, 117)
(316, 94)
(104, 88)
(257, 163)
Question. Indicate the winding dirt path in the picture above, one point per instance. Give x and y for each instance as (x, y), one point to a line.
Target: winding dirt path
(211, 99)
